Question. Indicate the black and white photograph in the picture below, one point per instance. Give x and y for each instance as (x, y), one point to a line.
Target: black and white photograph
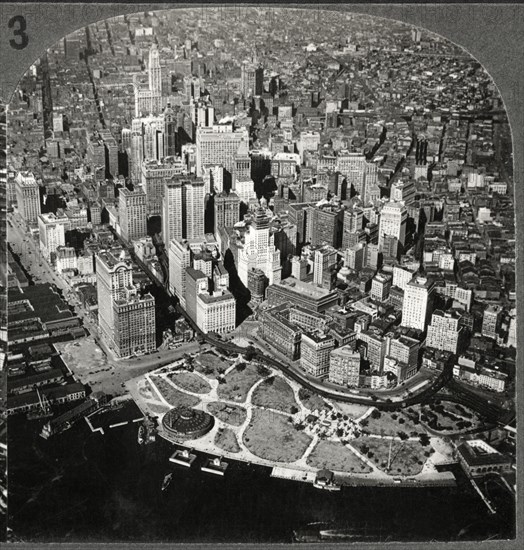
(259, 282)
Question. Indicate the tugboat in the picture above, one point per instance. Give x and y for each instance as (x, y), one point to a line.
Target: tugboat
(141, 434)
(167, 481)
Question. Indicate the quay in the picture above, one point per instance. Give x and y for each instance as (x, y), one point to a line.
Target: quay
(294, 475)
(215, 466)
(183, 457)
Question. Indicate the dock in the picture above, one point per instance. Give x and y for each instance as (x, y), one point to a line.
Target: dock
(294, 475)
(183, 457)
(215, 466)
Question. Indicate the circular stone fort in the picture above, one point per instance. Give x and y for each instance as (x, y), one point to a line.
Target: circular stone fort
(187, 423)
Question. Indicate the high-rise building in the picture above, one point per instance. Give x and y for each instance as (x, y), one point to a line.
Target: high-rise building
(220, 144)
(402, 276)
(380, 287)
(256, 284)
(325, 259)
(110, 152)
(149, 100)
(27, 197)
(126, 321)
(324, 225)
(353, 220)
(315, 349)
(344, 366)
(227, 210)
(491, 321)
(417, 306)
(51, 229)
(155, 174)
(259, 250)
(354, 257)
(445, 331)
(179, 260)
(251, 80)
(393, 220)
(132, 213)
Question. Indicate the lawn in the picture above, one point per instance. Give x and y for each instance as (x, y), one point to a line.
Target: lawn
(225, 439)
(145, 390)
(407, 457)
(275, 393)
(210, 364)
(172, 395)
(157, 408)
(190, 382)
(334, 456)
(238, 382)
(271, 436)
(390, 423)
(353, 410)
(230, 414)
(311, 401)
(448, 417)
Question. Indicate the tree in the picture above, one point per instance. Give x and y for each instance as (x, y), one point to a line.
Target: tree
(364, 422)
(375, 414)
(424, 439)
(250, 353)
(293, 409)
(403, 435)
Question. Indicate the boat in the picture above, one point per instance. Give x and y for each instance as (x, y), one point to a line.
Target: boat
(141, 434)
(167, 481)
(183, 458)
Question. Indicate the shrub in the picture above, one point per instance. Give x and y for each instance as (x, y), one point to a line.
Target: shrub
(375, 414)
(293, 409)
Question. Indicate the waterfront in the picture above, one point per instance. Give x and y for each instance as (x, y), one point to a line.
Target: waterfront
(81, 486)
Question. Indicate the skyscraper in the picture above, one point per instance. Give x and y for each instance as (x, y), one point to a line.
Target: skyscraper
(220, 144)
(149, 100)
(172, 224)
(418, 303)
(251, 80)
(227, 210)
(27, 197)
(126, 321)
(51, 229)
(132, 212)
(344, 366)
(393, 220)
(193, 207)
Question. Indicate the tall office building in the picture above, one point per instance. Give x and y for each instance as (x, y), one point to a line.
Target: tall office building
(51, 229)
(315, 349)
(27, 197)
(445, 331)
(259, 250)
(126, 321)
(324, 225)
(491, 321)
(393, 220)
(325, 259)
(220, 144)
(251, 80)
(352, 224)
(344, 366)
(227, 211)
(149, 100)
(417, 306)
(155, 174)
(183, 208)
(132, 213)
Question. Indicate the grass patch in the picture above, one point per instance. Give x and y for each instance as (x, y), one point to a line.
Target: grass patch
(226, 440)
(230, 414)
(353, 410)
(210, 364)
(275, 393)
(334, 456)
(407, 457)
(390, 423)
(157, 408)
(238, 382)
(172, 395)
(190, 382)
(312, 401)
(271, 436)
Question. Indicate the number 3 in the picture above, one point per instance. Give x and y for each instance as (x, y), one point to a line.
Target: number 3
(18, 32)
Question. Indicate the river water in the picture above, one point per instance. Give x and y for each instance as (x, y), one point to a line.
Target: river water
(80, 486)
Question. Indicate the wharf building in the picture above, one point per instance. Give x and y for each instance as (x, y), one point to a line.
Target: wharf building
(27, 197)
(126, 321)
(132, 213)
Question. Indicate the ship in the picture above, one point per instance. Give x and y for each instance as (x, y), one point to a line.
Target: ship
(167, 481)
(141, 434)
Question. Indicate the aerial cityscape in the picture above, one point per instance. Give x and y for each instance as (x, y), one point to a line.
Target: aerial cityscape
(258, 251)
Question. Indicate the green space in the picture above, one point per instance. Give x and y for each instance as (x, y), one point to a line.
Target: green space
(145, 390)
(210, 364)
(275, 393)
(226, 440)
(230, 414)
(238, 382)
(312, 401)
(335, 456)
(173, 396)
(271, 436)
(190, 382)
(390, 423)
(447, 417)
(157, 408)
(407, 457)
(353, 410)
